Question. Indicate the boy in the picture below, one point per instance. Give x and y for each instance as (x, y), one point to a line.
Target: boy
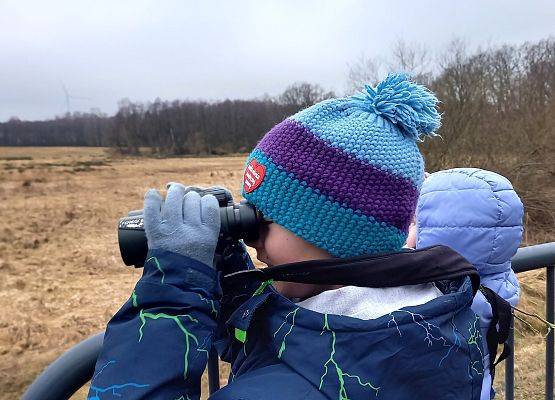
(338, 183)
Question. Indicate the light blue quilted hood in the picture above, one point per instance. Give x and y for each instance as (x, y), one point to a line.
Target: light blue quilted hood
(473, 211)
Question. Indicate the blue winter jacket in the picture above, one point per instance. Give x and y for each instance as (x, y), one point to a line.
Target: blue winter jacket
(478, 214)
(156, 346)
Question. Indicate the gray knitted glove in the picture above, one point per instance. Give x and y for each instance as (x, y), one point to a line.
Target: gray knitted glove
(185, 223)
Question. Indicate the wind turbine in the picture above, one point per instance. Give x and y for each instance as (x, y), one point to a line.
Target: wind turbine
(69, 97)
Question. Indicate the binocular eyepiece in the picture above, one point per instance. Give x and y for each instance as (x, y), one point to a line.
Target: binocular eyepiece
(238, 221)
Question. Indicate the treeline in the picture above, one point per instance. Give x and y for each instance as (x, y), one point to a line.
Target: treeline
(76, 129)
(176, 127)
(497, 105)
(196, 127)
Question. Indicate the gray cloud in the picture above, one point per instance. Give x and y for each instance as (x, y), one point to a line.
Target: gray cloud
(106, 50)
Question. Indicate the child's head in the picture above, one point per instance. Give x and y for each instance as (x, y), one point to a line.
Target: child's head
(344, 174)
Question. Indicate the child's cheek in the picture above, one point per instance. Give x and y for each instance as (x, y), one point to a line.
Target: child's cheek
(281, 246)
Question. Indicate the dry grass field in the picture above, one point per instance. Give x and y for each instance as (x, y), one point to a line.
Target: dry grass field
(61, 277)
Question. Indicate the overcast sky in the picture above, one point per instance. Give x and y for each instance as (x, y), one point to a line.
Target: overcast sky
(139, 49)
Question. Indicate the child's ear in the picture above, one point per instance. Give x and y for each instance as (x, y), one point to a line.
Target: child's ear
(413, 232)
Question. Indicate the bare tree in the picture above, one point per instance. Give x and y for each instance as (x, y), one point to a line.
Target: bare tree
(364, 71)
(413, 59)
(302, 94)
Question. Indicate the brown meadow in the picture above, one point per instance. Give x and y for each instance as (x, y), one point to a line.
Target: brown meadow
(61, 276)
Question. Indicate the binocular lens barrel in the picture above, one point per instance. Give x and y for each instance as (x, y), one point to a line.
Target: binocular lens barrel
(238, 221)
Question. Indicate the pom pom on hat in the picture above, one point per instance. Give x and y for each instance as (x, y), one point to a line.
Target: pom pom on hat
(408, 105)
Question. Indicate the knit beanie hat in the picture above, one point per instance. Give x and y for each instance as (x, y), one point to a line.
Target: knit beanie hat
(344, 174)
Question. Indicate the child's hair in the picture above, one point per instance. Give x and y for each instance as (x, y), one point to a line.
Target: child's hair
(345, 173)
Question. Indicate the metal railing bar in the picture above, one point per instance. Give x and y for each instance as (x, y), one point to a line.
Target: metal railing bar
(528, 259)
(534, 257)
(213, 371)
(510, 365)
(549, 343)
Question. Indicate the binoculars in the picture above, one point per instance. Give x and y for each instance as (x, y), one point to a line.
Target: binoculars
(238, 221)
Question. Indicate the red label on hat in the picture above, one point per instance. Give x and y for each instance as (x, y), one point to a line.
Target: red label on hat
(254, 175)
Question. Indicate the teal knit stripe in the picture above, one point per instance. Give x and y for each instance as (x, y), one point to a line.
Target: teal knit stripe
(366, 136)
(318, 219)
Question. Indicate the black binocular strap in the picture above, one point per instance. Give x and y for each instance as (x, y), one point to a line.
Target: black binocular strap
(499, 328)
(408, 267)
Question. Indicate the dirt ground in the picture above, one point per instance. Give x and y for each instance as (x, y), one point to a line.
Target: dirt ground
(61, 276)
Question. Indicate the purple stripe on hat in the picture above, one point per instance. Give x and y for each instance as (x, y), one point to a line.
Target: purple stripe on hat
(359, 185)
